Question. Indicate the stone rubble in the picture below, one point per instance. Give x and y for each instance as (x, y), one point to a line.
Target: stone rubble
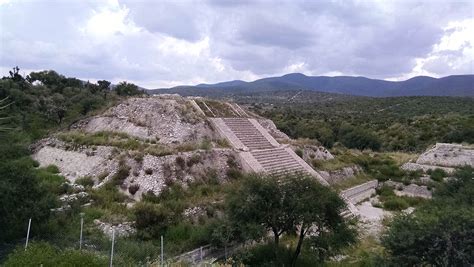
(337, 176)
(124, 229)
(169, 119)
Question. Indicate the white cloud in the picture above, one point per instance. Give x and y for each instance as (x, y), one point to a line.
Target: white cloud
(108, 22)
(166, 43)
(453, 54)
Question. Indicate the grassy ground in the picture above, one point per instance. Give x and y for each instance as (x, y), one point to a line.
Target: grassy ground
(356, 180)
(367, 252)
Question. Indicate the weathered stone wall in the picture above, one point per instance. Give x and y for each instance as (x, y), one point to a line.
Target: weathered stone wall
(337, 176)
(448, 155)
(360, 192)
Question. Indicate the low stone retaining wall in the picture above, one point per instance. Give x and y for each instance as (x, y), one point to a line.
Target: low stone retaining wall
(410, 166)
(360, 192)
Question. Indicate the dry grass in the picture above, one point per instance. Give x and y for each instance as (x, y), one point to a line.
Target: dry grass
(400, 157)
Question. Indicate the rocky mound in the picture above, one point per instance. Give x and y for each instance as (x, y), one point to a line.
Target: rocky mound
(166, 118)
(448, 155)
(141, 145)
(443, 156)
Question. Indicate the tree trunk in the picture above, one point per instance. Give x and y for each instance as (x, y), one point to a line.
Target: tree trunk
(276, 236)
(298, 247)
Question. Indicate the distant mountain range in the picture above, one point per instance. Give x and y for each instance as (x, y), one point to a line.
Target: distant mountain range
(455, 85)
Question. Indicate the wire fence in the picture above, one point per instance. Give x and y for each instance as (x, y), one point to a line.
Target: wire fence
(122, 250)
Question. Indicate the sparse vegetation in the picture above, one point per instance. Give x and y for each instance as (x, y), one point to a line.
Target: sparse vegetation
(86, 181)
(149, 171)
(133, 188)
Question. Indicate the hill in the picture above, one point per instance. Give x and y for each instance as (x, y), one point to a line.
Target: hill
(455, 85)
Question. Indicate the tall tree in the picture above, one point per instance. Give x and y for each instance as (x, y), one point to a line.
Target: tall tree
(127, 89)
(285, 205)
(104, 87)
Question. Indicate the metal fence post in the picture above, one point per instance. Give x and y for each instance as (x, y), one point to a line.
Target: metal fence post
(112, 249)
(82, 225)
(162, 251)
(200, 253)
(28, 234)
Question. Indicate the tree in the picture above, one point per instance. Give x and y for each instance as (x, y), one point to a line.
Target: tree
(22, 197)
(285, 205)
(441, 232)
(104, 86)
(258, 208)
(442, 237)
(127, 89)
(315, 210)
(3, 117)
(152, 220)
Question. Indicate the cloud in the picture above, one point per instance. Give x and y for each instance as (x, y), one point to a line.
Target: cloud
(165, 43)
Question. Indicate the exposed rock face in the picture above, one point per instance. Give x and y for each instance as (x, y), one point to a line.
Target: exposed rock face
(411, 190)
(410, 166)
(121, 230)
(76, 164)
(272, 129)
(448, 155)
(311, 152)
(337, 176)
(169, 119)
(154, 173)
(443, 156)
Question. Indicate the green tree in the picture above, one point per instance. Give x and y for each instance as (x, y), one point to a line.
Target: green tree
(153, 220)
(22, 197)
(288, 204)
(104, 86)
(127, 89)
(441, 232)
(257, 207)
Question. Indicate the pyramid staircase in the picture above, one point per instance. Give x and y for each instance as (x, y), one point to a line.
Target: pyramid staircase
(260, 152)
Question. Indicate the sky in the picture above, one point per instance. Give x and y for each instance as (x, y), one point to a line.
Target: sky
(161, 43)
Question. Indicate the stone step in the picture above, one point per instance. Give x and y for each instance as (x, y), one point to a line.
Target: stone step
(282, 167)
(284, 172)
(258, 146)
(247, 133)
(269, 151)
(287, 165)
(256, 137)
(276, 159)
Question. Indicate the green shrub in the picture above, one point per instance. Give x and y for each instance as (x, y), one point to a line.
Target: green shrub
(52, 169)
(437, 174)
(46, 255)
(233, 173)
(299, 152)
(102, 176)
(205, 144)
(152, 220)
(133, 188)
(139, 157)
(385, 191)
(149, 171)
(122, 174)
(85, 181)
(395, 204)
(180, 162)
(194, 159)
